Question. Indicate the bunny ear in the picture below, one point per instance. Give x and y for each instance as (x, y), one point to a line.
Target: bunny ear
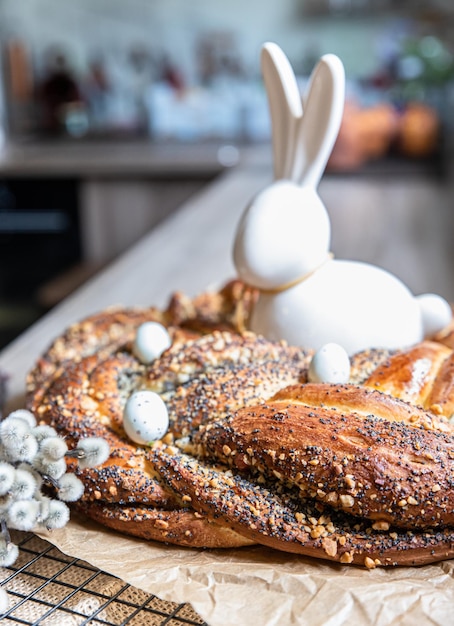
(285, 106)
(319, 127)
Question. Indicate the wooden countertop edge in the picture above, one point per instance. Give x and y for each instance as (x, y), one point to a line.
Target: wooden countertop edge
(126, 159)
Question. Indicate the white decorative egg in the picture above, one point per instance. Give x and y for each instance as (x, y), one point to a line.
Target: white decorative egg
(330, 364)
(436, 313)
(145, 417)
(150, 342)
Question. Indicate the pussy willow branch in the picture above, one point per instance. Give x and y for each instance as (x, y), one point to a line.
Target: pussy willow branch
(3, 385)
(5, 531)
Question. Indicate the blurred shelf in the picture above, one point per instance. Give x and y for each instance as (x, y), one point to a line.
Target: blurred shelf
(394, 166)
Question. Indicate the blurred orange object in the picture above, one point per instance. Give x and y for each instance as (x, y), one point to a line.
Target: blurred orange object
(419, 131)
(365, 133)
(373, 132)
(378, 127)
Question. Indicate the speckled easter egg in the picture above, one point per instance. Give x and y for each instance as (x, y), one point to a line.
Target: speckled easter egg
(330, 364)
(150, 342)
(436, 313)
(145, 417)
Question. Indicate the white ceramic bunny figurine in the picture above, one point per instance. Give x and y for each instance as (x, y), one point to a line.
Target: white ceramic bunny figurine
(282, 242)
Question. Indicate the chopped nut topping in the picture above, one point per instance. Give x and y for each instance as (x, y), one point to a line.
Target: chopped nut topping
(338, 469)
(168, 438)
(160, 523)
(329, 546)
(346, 501)
(380, 525)
(347, 557)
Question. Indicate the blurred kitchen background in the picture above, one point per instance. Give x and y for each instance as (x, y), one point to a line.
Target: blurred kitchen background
(189, 71)
(113, 113)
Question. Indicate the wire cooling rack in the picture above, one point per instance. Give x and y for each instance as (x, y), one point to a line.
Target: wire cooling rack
(47, 588)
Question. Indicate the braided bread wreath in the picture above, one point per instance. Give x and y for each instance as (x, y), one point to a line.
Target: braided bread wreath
(358, 473)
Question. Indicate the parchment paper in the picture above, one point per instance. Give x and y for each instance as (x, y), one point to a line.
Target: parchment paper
(264, 587)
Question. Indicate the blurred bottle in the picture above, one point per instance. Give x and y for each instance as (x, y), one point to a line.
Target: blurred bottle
(62, 107)
(96, 90)
(18, 85)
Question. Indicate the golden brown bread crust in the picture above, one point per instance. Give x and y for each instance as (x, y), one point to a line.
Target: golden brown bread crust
(281, 520)
(220, 372)
(183, 363)
(229, 308)
(364, 464)
(108, 330)
(420, 375)
(82, 383)
(182, 527)
(231, 370)
(363, 363)
(202, 378)
(219, 392)
(103, 332)
(363, 401)
(69, 407)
